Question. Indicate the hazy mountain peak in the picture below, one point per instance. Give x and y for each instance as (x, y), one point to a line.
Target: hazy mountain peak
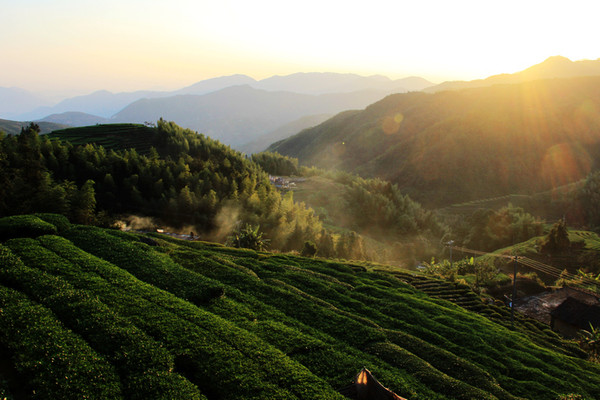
(214, 84)
(552, 67)
(327, 82)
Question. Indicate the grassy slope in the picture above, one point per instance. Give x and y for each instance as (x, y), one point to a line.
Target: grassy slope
(111, 136)
(173, 319)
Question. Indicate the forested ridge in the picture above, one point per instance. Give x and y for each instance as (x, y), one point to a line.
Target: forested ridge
(184, 179)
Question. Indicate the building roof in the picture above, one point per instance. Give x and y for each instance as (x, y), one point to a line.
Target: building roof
(366, 387)
(577, 313)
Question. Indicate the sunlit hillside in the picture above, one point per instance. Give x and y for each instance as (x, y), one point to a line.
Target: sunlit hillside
(456, 146)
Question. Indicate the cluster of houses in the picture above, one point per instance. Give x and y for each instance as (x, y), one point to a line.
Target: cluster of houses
(281, 183)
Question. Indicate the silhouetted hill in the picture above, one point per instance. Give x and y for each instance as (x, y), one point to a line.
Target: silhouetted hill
(102, 103)
(214, 84)
(456, 146)
(74, 118)
(553, 67)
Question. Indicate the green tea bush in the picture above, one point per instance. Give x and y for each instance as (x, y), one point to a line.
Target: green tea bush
(24, 226)
(54, 362)
(59, 221)
(134, 354)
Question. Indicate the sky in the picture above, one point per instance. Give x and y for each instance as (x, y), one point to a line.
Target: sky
(125, 45)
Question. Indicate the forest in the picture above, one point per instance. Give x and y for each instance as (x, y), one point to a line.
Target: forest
(185, 180)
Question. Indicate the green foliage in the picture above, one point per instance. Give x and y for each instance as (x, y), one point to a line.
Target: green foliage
(557, 239)
(24, 226)
(488, 230)
(248, 237)
(53, 361)
(59, 221)
(589, 196)
(590, 340)
(309, 249)
(276, 164)
(390, 224)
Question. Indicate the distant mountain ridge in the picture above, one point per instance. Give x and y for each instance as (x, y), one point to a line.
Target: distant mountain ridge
(75, 118)
(105, 104)
(240, 114)
(16, 101)
(552, 67)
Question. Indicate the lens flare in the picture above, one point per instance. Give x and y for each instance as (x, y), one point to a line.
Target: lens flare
(391, 124)
(565, 163)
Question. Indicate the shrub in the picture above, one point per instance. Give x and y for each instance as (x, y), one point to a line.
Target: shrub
(24, 226)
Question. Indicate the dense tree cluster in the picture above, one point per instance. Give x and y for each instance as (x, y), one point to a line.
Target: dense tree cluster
(488, 230)
(276, 164)
(589, 197)
(379, 222)
(186, 179)
(557, 240)
(379, 207)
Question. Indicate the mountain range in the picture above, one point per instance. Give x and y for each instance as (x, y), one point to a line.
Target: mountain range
(105, 104)
(240, 114)
(234, 109)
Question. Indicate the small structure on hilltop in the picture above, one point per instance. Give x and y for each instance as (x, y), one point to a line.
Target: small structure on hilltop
(366, 387)
(573, 315)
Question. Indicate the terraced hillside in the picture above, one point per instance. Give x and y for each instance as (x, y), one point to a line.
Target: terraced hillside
(94, 313)
(110, 136)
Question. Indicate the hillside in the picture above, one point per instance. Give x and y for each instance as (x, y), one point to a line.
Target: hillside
(106, 314)
(457, 146)
(14, 127)
(111, 136)
(167, 175)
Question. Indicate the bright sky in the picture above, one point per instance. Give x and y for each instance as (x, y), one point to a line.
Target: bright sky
(123, 45)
